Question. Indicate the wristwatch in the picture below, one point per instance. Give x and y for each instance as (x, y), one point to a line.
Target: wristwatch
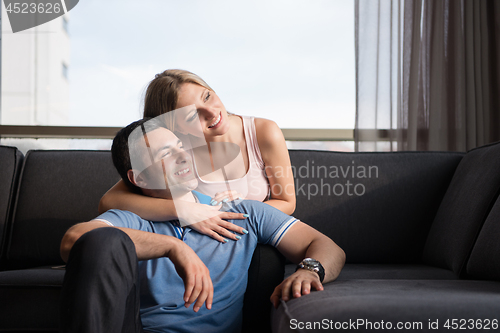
(314, 266)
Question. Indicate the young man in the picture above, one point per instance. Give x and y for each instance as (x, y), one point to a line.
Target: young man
(178, 266)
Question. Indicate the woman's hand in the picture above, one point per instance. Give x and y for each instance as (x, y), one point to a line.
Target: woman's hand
(208, 220)
(225, 196)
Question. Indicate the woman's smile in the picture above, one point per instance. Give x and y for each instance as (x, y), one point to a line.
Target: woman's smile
(217, 121)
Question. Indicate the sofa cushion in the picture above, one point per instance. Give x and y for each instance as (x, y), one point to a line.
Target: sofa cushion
(57, 189)
(378, 207)
(388, 271)
(30, 299)
(10, 165)
(484, 261)
(468, 200)
(391, 301)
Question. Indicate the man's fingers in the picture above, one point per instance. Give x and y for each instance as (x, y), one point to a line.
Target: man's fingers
(189, 285)
(196, 291)
(306, 287)
(204, 295)
(210, 297)
(296, 288)
(275, 297)
(285, 289)
(317, 285)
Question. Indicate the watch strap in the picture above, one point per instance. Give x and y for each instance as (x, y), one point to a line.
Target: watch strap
(317, 268)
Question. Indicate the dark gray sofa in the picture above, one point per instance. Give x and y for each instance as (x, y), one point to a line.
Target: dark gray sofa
(420, 230)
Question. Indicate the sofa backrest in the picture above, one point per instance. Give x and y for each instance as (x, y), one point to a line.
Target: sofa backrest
(484, 261)
(56, 190)
(10, 166)
(471, 195)
(377, 206)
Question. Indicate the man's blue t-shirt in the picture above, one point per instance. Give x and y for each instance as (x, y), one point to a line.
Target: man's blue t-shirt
(162, 290)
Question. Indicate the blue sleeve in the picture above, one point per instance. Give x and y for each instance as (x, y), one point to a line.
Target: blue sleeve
(125, 219)
(268, 223)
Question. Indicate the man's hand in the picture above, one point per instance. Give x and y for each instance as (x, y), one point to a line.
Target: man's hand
(296, 285)
(197, 282)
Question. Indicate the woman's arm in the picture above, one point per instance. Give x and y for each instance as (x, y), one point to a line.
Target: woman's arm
(149, 208)
(277, 165)
(203, 218)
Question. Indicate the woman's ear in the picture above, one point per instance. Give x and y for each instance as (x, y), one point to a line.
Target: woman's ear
(137, 178)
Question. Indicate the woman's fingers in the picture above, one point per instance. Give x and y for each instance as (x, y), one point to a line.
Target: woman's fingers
(215, 236)
(233, 227)
(232, 216)
(219, 230)
(225, 196)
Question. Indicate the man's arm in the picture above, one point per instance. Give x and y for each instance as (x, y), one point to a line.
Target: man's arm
(303, 241)
(194, 273)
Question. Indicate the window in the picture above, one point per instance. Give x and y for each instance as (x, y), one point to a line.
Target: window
(289, 61)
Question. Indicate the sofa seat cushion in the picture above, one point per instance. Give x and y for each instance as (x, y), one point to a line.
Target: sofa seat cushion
(33, 299)
(383, 271)
(33, 277)
(392, 301)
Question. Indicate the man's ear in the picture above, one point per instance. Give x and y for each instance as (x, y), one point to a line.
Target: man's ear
(136, 178)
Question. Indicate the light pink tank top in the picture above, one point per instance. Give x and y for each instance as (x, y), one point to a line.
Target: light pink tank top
(254, 184)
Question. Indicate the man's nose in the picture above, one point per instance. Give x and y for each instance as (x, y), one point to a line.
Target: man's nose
(181, 156)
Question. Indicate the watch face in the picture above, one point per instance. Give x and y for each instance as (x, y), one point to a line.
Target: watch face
(310, 262)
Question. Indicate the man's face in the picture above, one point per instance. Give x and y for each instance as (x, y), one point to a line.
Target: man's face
(172, 166)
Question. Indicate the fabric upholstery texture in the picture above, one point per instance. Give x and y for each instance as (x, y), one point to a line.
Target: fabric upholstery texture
(484, 261)
(10, 165)
(36, 293)
(392, 301)
(264, 274)
(388, 271)
(384, 231)
(57, 189)
(389, 223)
(468, 200)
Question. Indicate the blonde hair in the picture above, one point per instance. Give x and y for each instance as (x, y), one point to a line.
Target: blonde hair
(162, 93)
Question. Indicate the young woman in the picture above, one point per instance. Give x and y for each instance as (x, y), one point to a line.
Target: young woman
(264, 172)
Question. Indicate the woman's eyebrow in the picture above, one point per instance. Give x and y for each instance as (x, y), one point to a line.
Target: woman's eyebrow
(203, 93)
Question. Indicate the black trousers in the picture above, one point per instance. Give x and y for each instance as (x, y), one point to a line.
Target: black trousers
(101, 287)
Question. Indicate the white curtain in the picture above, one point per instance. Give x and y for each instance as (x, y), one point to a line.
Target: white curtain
(427, 74)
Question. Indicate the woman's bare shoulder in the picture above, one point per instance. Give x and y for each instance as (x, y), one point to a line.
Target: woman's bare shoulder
(268, 132)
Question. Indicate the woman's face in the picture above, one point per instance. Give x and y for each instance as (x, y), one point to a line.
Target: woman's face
(203, 112)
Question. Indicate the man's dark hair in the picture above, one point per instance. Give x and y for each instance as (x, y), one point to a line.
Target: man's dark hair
(120, 150)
